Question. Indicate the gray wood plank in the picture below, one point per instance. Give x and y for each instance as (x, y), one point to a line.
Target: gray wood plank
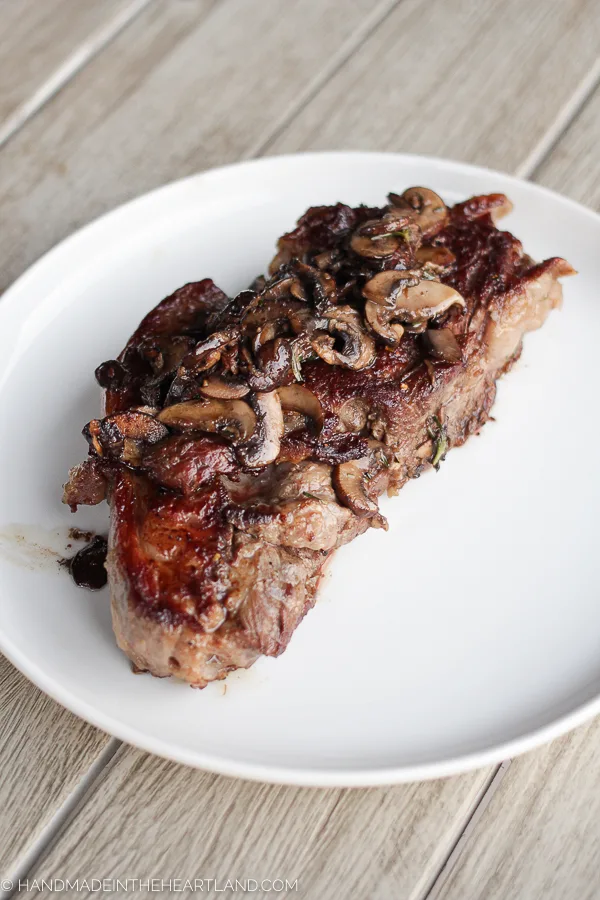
(188, 85)
(573, 166)
(473, 81)
(539, 836)
(44, 752)
(159, 819)
(43, 42)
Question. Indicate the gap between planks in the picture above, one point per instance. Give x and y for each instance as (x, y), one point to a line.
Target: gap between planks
(80, 57)
(84, 54)
(371, 22)
(60, 820)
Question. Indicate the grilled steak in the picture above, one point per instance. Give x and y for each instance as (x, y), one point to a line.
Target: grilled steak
(245, 440)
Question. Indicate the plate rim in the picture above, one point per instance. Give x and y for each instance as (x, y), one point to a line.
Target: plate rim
(351, 776)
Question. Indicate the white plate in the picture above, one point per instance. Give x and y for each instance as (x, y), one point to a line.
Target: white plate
(466, 634)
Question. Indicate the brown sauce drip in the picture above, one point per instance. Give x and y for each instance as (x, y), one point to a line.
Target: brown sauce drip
(87, 566)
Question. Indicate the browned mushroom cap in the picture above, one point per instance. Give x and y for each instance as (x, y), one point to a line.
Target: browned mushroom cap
(121, 435)
(426, 300)
(263, 447)
(349, 484)
(358, 348)
(299, 399)
(271, 311)
(443, 345)
(425, 208)
(353, 414)
(374, 248)
(274, 367)
(435, 257)
(218, 387)
(207, 353)
(378, 318)
(384, 287)
(232, 417)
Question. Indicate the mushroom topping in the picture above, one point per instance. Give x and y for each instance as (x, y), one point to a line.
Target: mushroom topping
(379, 247)
(275, 366)
(349, 484)
(207, 353)
(271, 311)
(436, 258)
(424, 207)
(121, 435)
(263, 447)
(378, 318)
(443, 345)
(425, 301)
(218, 387)
(357, 347)
(383, 288)
(317, 284)
(299, 399)
(353, 414)
(232, 417)
(111, 375)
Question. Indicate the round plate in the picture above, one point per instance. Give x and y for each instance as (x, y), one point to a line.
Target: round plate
(466, 634)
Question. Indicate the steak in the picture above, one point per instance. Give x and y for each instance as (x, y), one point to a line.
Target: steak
(245, 439)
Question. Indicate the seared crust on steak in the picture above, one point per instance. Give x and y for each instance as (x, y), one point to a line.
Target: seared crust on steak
(230, 485)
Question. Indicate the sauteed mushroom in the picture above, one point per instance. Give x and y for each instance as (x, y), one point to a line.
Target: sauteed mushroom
(349, 484)
(299, 399)
(424, 207)
(218, 387)
(358, 348)
(383, 288)
(426, 300)
(121, 435)
(263, 447)
(443, 345)
(233, 417)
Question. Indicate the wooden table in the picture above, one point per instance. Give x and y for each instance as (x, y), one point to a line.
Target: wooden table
(101, 100)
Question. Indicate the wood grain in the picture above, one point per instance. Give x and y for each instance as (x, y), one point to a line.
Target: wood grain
(473, 81)
(44, 751)
(42, 43)
(157, 819)
(188, 85)
(573, 167)
(540, 834)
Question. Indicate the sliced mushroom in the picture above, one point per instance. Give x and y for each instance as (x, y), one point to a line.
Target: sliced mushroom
(270, 311)
(378, 318)
(207, 353)
(435, 257)
(218, 387)
(425, 301)
(234, 418)
(358, 348)
(384, 287)
(370, 248)
(299, 399)
(443, 345)
(353, 415)
(263, 447)
(111, 375)
(121, 435)
(425, 208)
(275, 366)
(317, 284)
(349, 484)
